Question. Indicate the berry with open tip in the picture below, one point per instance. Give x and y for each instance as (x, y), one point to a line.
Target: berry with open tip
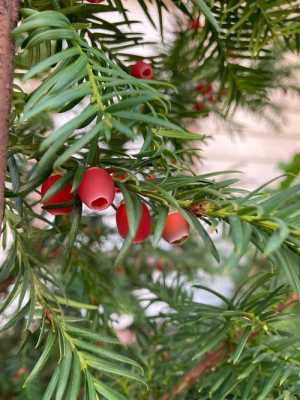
(141, 70)
(176, 229)
(97, 189)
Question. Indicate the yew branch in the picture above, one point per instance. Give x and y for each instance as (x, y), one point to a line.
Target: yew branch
(214, 358)
(8, 19)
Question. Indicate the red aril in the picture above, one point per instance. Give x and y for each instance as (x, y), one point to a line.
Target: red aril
(141, 70)
(204, 88)
(64, 195)
(199, 106)
(144, 228)
(195, 24)
(176, 229)
(151, 178)
(97, 189)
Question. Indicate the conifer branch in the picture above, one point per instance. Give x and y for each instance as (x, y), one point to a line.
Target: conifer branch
(214, 358)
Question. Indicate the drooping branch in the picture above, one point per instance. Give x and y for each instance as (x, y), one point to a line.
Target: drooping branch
(214, 358)
(8, 18)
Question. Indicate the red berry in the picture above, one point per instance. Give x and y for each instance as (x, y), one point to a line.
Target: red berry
(144, 228)
(56, 252)
(198, 106)
(64, 195)
(94, 1)
(141, 70)
(204, 88)
(97, 189)
(210, 98)
(195, 24)
(159, 265)
(151, 178)
(176, 229)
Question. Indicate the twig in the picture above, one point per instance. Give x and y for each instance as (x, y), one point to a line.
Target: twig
(214, 358)
(211, 360)
(293, 298)
(8, 19)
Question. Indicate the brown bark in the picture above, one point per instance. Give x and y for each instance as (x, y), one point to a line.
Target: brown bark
(210, 361)
(214, 358)
(8, 19)
(293, 298)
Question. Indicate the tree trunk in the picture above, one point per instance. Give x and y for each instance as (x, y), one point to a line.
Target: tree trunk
(8, 19)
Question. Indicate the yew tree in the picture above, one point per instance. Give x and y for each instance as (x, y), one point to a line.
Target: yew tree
(105, 213)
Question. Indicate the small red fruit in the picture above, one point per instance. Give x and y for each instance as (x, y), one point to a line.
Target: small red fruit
(97, 189)
(176, 229)
(159, 265)
(199, 106)
(195, 24)
(94, 1)
(204, 88)
(64, 195)
(144, 228)
(56, 252)
(141, 70)
(151, 178)
(210, 98)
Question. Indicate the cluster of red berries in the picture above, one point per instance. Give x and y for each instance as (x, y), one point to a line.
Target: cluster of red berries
(206, 92)
(97, 191)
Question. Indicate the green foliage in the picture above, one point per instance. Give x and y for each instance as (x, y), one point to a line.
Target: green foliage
(66, 279)
(291, 169)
